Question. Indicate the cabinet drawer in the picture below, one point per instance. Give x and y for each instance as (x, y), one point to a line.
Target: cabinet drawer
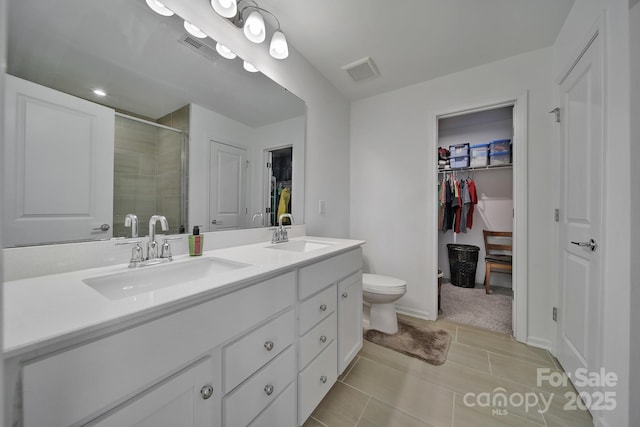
(281, 413)
(316, 308)
(317, 339)
(73, 385)
(241, 406)
(243, 357)
(315, 381)
(314, 277)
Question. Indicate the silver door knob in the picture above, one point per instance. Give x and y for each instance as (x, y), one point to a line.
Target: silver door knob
(268, 389)
(268, 345)
(323, 379)
(206, 392)
(591, 244)
(215, 221)
(323, 339)
(103, 227)
(345, 295)
(323, 307)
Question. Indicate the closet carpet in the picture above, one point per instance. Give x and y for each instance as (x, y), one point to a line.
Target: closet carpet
(472, 306)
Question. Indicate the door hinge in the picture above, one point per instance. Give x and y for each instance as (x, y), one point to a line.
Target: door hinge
(556, 111)
(267, 210)
(557, 215)
(555, 314)
(268, 164)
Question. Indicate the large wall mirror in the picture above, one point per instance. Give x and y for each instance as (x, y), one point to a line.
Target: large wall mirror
(180, 132)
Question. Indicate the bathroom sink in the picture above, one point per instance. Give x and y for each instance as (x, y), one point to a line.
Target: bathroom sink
(151, 278)
(300, 246)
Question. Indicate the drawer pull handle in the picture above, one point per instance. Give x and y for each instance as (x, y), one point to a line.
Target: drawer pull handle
(345, 295)
(323, 307)
(206, 392)
(268, 345)
(323, 338)
(268, 389)
(323, 379)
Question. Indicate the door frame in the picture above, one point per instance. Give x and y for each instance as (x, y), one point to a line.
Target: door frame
(520, 207)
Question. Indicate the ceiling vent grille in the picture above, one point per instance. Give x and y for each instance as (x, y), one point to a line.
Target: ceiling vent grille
(198, 46)
(362, 69)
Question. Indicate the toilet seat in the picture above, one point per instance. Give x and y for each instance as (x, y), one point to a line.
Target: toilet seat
(376, 283)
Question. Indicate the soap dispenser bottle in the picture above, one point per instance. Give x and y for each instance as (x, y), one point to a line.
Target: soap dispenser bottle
(196, 241)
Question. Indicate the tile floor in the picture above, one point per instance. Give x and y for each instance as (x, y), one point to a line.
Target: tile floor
(383, 388)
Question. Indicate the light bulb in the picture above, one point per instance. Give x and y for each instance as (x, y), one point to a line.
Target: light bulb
(225, 8)
(224, 51)
(249, 67)
(194, 31)
(254, 28)
(99, 92)
(159, 8)
(279, 48)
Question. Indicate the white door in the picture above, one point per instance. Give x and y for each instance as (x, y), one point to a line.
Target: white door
(228, 170)
(186, 400)
(580, 287)
(58, 178)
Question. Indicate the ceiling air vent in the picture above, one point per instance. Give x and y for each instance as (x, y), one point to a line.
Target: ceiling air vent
(198, 46)
(362, 69)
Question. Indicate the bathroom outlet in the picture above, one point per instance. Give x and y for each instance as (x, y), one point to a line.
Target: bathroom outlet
(321, 206)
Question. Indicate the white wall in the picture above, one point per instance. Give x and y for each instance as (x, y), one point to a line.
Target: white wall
(393, 189)
(327, 129)
(3, 69)
(616, 247)
(634, 377)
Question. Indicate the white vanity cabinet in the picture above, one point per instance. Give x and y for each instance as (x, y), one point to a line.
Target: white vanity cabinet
(323, 317)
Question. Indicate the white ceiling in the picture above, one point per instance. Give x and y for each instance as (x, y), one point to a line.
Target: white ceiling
(411, 41)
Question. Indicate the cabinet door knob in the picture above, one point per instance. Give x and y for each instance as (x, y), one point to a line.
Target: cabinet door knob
(268, 389)
(268, 345)
(323, 338)
(323, 379)
(206, 392)
(323, 307)
(345, 295)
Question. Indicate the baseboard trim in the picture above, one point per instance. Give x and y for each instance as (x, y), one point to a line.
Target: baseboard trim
(420, 314)
(540, 343)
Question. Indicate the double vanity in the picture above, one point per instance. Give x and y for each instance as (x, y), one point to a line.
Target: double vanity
(251, 335)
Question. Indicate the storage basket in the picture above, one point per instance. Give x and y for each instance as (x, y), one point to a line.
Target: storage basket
(463, 261)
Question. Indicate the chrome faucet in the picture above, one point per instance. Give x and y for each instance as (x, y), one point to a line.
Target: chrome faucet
(131, 220)
(280, 233)
(152, 245)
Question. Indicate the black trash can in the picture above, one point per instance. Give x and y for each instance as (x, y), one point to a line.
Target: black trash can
(463, 261)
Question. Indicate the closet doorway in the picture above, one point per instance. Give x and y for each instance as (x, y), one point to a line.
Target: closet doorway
(494, 139)
(279, 174)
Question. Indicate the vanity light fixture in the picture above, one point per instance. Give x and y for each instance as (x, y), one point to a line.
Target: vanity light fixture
(159, 8)
(253, 26)
(224, 51)
(225, 8)
(194, 31)
(99, 92)
(249, 67)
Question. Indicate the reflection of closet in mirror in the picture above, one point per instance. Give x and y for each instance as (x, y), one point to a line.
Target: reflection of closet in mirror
(279, 172)
(150, 166)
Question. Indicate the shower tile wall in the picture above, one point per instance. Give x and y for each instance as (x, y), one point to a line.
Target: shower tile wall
(147, 171)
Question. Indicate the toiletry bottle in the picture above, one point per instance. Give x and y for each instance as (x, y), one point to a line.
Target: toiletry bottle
(196, 241)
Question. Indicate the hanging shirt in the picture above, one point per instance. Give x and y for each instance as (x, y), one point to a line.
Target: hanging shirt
(448, 213)
(466, 203)
(474, 201)
(457, 206)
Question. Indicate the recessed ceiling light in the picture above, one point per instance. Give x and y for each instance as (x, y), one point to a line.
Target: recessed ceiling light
(99, 92)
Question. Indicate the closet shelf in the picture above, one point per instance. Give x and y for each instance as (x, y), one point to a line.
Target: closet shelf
(482, 168)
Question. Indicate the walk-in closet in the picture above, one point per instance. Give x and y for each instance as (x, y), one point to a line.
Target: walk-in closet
(475, 193)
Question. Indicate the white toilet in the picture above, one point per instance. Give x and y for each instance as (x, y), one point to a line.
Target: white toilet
(381, 293)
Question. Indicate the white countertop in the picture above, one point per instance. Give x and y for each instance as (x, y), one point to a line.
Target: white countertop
(47, 310)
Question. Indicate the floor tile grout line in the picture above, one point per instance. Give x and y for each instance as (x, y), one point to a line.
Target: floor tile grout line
(528, 361)
(363, 411)
(453, 411)
(352, 365)
(490, 368)
(318, 421)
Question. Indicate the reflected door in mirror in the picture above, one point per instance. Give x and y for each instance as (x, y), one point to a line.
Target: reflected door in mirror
(228, 170)
(58, 166)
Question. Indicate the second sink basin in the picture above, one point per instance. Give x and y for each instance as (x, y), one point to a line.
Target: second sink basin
(300, 246)
(151, 278)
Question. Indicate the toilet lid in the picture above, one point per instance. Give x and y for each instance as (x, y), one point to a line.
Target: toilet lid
(382, 284)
